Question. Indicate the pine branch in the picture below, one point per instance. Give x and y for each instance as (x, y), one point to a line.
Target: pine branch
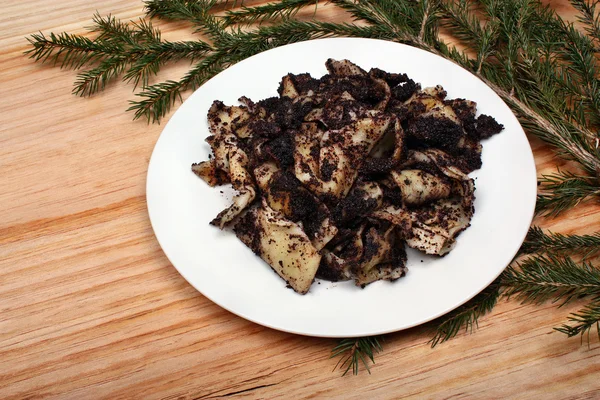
(428, 14)
(69, 51)
(293, 31)
(573, 142)
(536, 280)
(178, 10)
(564, 190)
(269, 12)
(550, 277)
(583, 321)
(580, 55)
(111, 29)
(556, 243)
(95, 79)
(198, 12)
(463, 25)
(150, 58)
(353, 352)
(559, 279)
(551, 130)
(467, 27)
(145, 32)
(399, 17)
(361, 11)
(588, 16)
(135, 50)
(158, 99)
(238, 45)
(467, 315)
(531, 83)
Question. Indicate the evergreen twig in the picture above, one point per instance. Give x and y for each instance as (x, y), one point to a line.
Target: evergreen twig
(69, 51)
(198, 12)
(548, 277)
(556, 243)
(353, 352)
(583, 321)
(588, 16)
(157, 99)
(564, 190)
(268, 12)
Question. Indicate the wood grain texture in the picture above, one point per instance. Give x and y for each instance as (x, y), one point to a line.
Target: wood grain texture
(91, 308)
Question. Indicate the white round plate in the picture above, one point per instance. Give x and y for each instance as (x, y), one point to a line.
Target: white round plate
(218, 265)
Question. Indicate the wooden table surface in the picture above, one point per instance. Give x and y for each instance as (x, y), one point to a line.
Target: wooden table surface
(90, 307)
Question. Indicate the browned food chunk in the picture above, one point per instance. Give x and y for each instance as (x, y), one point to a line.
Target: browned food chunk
(282, 244)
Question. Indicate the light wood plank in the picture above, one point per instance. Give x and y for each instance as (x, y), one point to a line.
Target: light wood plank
(91, 308)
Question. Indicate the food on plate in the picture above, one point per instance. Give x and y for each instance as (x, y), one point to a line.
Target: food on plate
(337, 174)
